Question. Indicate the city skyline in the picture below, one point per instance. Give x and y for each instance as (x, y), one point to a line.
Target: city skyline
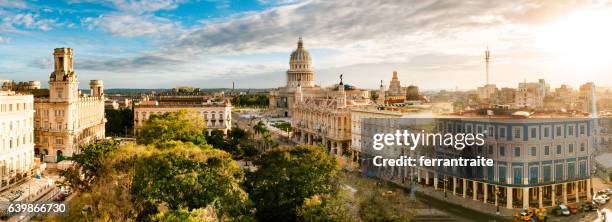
(210, 44)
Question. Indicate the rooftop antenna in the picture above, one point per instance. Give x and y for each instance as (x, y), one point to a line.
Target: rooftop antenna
(487, 61)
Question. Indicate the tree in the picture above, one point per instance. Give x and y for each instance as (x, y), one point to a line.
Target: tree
(260, 128)
(119, 122)
(326, 208)
(373, 95)
(190, 177)
(181, 126)
(286, 177)
(251, 100)
(87, 165)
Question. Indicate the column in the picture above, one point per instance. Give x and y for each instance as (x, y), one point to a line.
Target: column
(540, 204)
(526, 197)
(553, 194)
(435, 180)
(339, 150)
(576, 191)
(454, 185)
(486, 188)
(509, 197)
(426, 177)
(588, 188)
(496, 195)
(418, 175)
(464, 188)
(564, 192)
(475, 190)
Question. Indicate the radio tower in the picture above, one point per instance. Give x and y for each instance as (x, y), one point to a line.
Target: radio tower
(487, 60)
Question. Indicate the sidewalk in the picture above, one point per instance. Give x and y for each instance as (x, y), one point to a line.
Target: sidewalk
(27, 191)
(468, 202)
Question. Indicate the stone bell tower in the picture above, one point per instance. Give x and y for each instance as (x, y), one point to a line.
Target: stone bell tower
(63, 83)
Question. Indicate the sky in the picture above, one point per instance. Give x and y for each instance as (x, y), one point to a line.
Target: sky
(434, 44)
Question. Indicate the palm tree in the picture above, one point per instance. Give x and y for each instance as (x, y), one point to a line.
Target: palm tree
(259, 128)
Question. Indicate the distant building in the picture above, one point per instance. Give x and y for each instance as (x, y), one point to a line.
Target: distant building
(395, 88)
(218, 115)
(488, 91)
(111, 104)
(531, 95)
(65, 118)
(412, 93)
(506, 96)
(16, 137)
(300, 73)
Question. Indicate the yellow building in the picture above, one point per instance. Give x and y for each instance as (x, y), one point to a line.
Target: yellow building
(66, 118)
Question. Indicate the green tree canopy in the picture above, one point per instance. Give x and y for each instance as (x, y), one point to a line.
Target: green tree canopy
(190, 177)
(87, 165)
(181, 126)
(119, 122)
(287, 176)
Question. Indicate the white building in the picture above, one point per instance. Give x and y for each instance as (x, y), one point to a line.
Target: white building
(16, 137)
(218, 115)
(66, 118)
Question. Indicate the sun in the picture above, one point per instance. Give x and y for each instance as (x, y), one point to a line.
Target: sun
(581, 41)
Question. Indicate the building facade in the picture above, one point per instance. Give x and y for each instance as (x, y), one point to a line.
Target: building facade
(67, 118)
(218, 115)
(540, 160)
(16, 137)
(326, 119)
(395, 91)
(300, 73)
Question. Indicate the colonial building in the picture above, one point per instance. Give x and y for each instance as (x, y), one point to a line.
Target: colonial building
(326, 119)
(16, 137)
(66, 118)
(540, 159)
(218, 115)
(300, 73)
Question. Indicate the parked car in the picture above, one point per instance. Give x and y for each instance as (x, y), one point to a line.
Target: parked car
(586, 207)
(605, 197)
(609, 191)
(562, 210)
(599, 200)
(60, 197)
(572, 208)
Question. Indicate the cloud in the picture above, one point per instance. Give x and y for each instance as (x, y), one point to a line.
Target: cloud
(12, 4)
(143, 6)
(42, 63)
(123, 64)
(12, 21)
(126, 25)
(4, 40)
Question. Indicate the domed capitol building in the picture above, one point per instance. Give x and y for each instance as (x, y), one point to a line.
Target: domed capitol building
(301, 75)
(318, 115)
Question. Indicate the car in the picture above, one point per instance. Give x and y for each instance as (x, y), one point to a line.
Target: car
(60, 197)
(562, 210)
(586, 207)
(572, 208)
(609, 191)
(388, 194)
(599, 200)
(605, 197)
